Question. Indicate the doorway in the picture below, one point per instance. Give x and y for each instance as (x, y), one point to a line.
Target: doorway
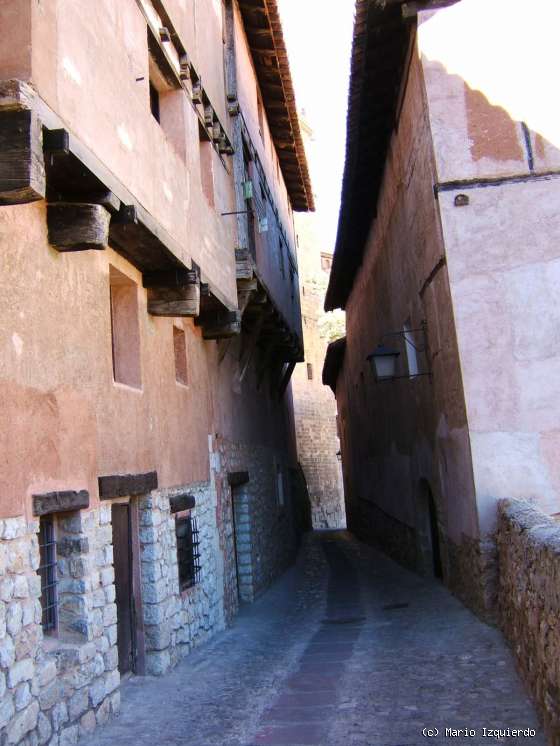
(429, 540)
(127, 586)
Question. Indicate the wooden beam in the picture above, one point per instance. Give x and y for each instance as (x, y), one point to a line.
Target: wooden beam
(124, 485)
(135, 239)
(219, 324)
(244, 265)
(22, 168)
(77, 226)
(245, 289)
(60, 502)
(173, 293)
(183, 302)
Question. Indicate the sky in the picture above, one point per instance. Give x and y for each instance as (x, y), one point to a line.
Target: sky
(318, 36)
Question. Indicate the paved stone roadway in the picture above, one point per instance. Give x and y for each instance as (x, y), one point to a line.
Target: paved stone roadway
(348, 649)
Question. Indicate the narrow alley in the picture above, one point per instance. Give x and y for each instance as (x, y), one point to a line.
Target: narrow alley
(347, 648)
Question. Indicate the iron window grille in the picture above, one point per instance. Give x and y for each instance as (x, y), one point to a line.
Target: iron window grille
(188, 551)
(48, 575)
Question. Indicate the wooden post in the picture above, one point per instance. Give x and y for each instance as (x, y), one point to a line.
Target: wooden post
(77, 226)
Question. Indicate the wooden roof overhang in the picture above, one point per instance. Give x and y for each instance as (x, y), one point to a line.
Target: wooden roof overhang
(263, 28)
(384, 31)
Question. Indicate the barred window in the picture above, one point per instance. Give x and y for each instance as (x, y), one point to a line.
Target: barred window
(47, 573)
(188, 554)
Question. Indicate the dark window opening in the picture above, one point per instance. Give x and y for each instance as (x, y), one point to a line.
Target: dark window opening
(47, 573)
(154, 102)
(310, 371)
(188, 552)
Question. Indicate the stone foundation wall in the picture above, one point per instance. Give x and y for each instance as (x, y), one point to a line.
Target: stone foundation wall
(529, 602)
(266, 537)
(53, 690)
(472, 574)
(175, 621)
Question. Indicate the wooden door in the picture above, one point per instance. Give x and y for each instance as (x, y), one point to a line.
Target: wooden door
(122, 561)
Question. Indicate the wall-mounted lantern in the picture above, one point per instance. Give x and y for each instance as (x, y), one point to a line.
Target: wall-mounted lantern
(383, 359)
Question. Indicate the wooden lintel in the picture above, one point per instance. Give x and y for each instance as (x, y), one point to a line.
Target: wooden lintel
(60, 502)
(178, 503)
(77, 226)
(124, 485)
(22, 167)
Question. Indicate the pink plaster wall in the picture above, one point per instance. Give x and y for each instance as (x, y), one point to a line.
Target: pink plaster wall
(394, 435)
(86, 59)
(503, 249)
(64, 421)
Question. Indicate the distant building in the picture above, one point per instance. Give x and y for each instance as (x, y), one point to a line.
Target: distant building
(150, 161)
(314, 405)
(450, 222)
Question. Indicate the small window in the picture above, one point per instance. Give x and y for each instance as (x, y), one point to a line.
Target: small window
(411, 352)
(309, 371)
(48, 575)
(125, 329)
(180, 351)
(188, 554)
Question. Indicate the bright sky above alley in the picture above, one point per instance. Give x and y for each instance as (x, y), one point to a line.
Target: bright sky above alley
(318, 37)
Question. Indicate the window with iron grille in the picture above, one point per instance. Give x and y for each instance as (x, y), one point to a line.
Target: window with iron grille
(188, 554)
(47, 573)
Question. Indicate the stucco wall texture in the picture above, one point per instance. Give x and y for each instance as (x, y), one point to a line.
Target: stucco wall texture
(491, 119)
(398, 437)
(466, 239)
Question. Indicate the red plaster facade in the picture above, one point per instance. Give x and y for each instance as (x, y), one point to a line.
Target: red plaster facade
(94, 381)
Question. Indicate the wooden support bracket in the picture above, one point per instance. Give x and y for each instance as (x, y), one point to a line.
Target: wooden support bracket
(22, 168)
(244, 265)
(173, 293)
(77, 226)
(220, 324)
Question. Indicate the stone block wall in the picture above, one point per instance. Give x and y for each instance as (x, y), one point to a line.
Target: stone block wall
(529, 602)
(266, 538)
(175, 621)
(53, 690)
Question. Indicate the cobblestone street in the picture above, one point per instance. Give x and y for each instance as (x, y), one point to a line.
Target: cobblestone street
(348, 648)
